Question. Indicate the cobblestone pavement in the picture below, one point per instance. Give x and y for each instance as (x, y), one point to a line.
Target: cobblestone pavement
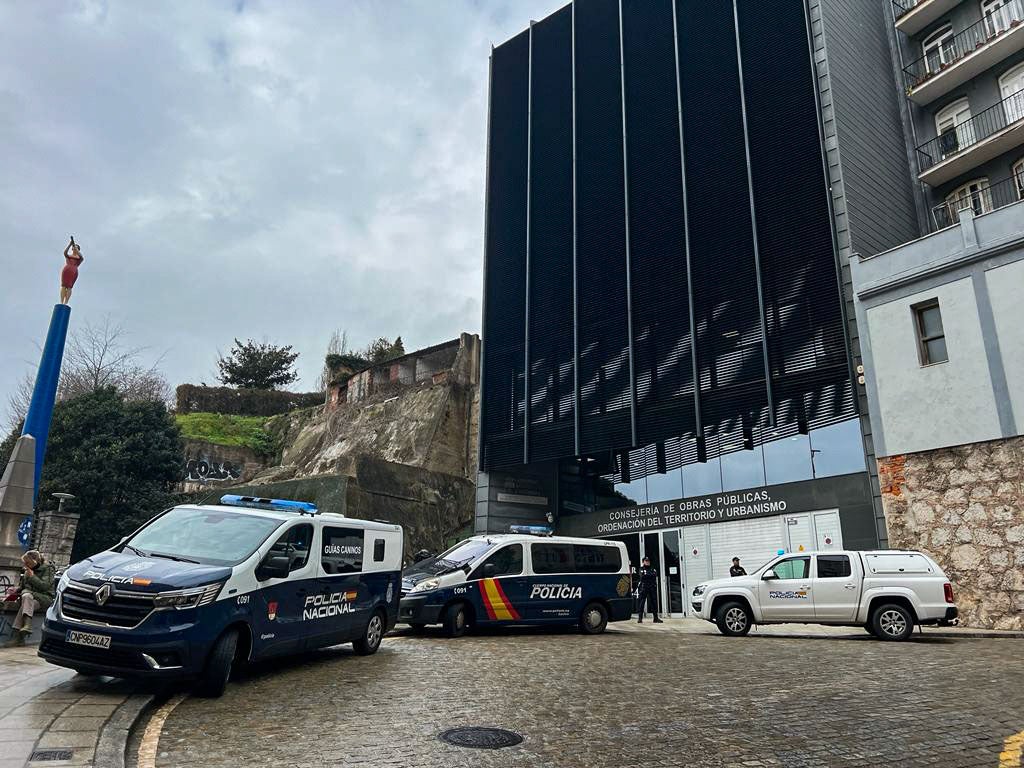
(630, 696)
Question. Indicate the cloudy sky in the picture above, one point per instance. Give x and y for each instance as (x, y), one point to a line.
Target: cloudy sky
(254, 169)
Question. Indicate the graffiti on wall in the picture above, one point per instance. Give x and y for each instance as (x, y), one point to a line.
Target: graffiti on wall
(203, 471)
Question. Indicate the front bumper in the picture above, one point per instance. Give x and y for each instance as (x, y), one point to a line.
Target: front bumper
(420, 609)
(157, 652)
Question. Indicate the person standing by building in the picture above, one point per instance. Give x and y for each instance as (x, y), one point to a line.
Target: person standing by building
(737, 569)
(36, 592)
(647, 591)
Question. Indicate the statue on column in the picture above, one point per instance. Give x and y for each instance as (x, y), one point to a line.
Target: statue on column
(72, 259)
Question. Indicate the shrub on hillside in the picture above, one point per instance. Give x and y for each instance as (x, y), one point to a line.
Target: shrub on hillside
(191, 398)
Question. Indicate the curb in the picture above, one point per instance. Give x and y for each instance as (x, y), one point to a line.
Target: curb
(112, 746)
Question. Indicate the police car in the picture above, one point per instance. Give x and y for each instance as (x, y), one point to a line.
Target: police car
(201, 587)
(518, 578)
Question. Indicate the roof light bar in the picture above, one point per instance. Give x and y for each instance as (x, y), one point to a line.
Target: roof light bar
(279, 505)
(531, 530)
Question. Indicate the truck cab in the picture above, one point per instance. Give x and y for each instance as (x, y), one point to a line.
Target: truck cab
(887, 592)
(201, 587)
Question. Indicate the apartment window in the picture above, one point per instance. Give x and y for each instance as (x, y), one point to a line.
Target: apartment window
(975, 194)
(938, 49)
(999, 15)
(954, 127)
(1018, 178)
(1011, 88)
(931, 340)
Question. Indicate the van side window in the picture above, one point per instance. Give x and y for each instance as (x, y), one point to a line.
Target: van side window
(591, 558)
(833, 566)
(378, 550)
(342, 550)
(507, 561)
(296, 543)
(553, 558)
(794, 568)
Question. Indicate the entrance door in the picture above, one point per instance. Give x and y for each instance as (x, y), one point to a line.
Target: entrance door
(652, 549)
(800, 533)
(673, 577)
(828, 534)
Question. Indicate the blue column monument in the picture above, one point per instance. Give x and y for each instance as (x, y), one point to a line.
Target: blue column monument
(19, 486)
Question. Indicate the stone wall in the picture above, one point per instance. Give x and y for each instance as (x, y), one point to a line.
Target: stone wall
(965, 507)
(208, 465)
(54, 536)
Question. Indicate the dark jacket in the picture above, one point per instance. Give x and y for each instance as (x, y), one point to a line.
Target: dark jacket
(648, 579)
(737, 570)
(40, 584)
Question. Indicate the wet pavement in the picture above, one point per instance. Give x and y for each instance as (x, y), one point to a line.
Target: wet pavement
(647, 696)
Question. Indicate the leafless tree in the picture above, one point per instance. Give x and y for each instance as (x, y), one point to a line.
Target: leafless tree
(337, 345)
(96, 356)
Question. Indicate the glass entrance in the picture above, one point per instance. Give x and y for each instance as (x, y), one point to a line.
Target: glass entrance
(653, 551)
(672, 577)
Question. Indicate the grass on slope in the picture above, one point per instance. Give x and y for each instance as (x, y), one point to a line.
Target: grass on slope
(223, 429)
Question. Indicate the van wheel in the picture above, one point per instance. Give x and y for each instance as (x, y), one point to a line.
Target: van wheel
(869, 628)
(892, 622)
(455, 620)
(594, 619)
(733, 619)
(215, 675)
(374, 633)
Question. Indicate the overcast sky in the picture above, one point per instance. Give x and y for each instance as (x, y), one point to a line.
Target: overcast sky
(254, 169)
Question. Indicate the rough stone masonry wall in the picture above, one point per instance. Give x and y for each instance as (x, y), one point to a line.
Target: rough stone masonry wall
(965, 507)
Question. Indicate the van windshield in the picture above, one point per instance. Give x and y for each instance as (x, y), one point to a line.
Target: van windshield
(453, 559)
(207, 536)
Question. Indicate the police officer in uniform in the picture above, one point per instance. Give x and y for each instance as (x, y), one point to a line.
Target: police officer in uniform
(647, 591)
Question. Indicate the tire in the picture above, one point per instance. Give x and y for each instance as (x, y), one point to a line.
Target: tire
(214, 679)
(456, 620)
(594, 619)
(368, 644)
(870, 629)
(892, 621)
(734, 619)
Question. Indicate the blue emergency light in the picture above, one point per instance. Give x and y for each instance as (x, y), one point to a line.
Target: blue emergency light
(280, 505)
(531, 530)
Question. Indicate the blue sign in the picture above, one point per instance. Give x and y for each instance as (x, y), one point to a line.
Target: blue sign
(25, 532)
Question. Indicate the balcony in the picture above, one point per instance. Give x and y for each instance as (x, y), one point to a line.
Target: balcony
(966, 54)
(986, 198)
(988, 134)
(914, 15)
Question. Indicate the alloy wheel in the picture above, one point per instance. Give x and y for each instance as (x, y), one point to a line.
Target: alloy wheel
(736, 619)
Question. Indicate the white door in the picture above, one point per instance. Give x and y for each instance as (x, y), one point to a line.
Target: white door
(789, 596)
(828, 534)
(956, 131)
(1011, 86)
(695, 557)
(835, 588)
(999, 15)
(800, 533)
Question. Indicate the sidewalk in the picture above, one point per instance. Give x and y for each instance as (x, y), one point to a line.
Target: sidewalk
(60, 718)
(701, 627)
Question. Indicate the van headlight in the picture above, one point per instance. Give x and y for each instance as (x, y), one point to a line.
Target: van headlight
(187, 598)
(699, 590)
(63, 582)
(426, 585)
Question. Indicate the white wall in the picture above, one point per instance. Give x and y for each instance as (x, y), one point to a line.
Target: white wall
(945, 404)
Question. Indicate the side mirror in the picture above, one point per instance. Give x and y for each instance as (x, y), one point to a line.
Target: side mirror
(274, 567)
(769, 575)
(489, 570)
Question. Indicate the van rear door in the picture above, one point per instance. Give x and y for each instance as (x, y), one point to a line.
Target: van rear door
(333, 611)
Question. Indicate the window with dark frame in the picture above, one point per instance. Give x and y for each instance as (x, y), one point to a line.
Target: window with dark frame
(378, 550)
(931, 339)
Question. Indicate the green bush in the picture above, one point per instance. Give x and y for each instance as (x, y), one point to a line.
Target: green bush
(243, 402)
(227, 429)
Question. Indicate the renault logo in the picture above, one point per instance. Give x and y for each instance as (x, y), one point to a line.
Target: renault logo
(103, 594)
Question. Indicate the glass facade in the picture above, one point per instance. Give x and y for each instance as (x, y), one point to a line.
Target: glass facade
(837, 449)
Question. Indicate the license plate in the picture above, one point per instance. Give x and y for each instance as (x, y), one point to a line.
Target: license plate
(88, 639)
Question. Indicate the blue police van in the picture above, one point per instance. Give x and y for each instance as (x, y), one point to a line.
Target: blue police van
(200, 588)
(519, 578)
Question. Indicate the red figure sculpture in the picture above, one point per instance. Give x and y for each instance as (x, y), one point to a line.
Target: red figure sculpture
(69, 274)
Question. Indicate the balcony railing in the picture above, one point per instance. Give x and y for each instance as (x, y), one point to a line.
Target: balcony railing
(1000, 115)
(901, 7)
(985, 198)
(992, 26)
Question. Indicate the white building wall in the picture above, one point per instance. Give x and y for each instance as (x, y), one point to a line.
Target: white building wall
(1006, 294)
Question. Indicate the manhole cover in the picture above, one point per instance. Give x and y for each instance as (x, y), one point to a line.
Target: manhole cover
(481, 738)
(51, 754)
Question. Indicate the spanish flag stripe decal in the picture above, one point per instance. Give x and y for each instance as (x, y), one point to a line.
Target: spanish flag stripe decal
(496, 602)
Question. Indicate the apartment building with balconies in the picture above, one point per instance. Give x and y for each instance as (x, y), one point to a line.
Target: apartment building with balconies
(962, 69)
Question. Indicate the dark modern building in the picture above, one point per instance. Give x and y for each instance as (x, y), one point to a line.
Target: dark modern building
(674, 194)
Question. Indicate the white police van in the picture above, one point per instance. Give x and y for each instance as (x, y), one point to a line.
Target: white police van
(518, 578)
(201, 587)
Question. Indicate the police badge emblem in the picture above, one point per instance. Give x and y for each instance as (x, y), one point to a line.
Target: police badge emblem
(622, 588)
(391, 592)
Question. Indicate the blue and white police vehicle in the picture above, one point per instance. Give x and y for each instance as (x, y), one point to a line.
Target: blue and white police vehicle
(200, 588)
(519, 578)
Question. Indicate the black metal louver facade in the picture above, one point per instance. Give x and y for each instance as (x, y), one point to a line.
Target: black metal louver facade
(660, 274)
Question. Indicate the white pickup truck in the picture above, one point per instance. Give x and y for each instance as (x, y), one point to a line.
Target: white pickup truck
(887, 592)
